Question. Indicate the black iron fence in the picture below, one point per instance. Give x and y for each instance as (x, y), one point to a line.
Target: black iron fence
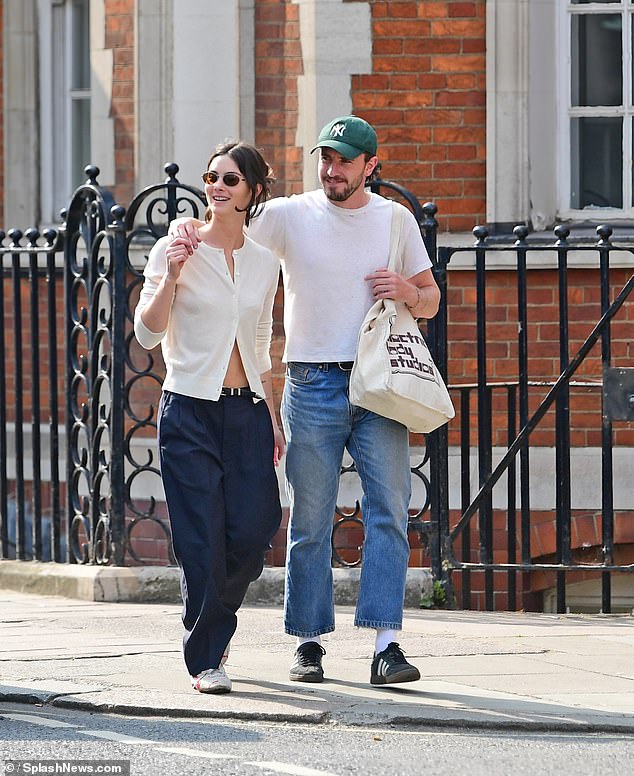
(525, 405)
(517, 548)
(78, 476)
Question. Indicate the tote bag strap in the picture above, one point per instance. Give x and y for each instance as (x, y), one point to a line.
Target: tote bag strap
(396, 228)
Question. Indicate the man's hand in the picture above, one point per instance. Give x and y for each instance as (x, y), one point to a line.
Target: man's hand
(279, 445)
(187, 230)
(420, 292)
(391, 285)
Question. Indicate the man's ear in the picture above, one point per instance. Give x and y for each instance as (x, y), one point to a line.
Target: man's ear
(370, 165)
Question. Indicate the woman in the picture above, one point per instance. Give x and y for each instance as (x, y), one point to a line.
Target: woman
(219, 441)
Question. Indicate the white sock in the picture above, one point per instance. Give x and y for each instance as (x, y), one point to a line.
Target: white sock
(384, 636)
(300, 640)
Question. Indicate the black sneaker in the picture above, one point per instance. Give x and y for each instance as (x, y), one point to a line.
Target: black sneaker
(390, 666)
(307, 663)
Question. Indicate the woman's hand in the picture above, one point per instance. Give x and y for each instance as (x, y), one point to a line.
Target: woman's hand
(176, 254)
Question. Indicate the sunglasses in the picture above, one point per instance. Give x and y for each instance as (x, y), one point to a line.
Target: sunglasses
(229, 178)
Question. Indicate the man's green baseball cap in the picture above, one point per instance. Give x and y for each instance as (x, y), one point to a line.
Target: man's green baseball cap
(348, 136)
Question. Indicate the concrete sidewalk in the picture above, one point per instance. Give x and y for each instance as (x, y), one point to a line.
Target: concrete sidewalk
(479, 670)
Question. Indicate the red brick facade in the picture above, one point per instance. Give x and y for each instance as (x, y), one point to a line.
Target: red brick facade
(278, 58)
(120, 21)
(425, 96)
(543, 345)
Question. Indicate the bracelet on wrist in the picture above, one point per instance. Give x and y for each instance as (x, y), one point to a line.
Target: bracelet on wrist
(417, 302)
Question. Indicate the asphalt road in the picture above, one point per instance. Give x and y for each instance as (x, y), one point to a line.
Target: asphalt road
(46, 740)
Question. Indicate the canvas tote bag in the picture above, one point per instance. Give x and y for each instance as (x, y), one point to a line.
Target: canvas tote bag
(394, 374)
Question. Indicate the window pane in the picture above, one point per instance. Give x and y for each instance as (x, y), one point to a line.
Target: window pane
(597, 59)
(81, 140)
(597, 162)
(80, 77)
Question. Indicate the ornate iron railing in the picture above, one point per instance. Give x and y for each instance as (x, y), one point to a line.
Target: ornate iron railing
(94, 452)
(146, 221)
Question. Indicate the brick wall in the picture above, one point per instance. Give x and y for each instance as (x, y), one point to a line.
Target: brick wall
(19, 290)
(278, 62)
(120, 16)
(586, 548)
(543, 345)
(426, 97)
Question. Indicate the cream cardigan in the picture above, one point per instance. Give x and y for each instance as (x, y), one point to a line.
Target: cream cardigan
(210, 311)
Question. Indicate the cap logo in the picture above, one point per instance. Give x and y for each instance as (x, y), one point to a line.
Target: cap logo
(338, 130)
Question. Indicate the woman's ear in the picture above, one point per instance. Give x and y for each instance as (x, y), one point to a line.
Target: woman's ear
(258, 190)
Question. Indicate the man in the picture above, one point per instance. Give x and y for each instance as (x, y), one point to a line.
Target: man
(334, 245)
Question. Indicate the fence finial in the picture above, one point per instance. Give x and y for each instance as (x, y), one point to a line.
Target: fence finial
(605, 232)
(480, 233)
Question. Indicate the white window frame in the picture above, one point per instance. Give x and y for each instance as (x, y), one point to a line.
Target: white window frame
(567, 112)
(56, 102)
(76, 95)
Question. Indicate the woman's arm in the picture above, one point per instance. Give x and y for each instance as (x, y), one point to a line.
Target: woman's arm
(155, 314)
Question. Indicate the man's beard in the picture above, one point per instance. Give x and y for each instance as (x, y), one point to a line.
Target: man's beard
(341, 196)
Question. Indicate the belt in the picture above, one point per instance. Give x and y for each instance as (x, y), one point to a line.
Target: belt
(346, 366)
(247, 392)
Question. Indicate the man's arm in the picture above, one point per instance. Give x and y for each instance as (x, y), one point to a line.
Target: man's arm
(427, 300)
(279, 443)
(420, 292)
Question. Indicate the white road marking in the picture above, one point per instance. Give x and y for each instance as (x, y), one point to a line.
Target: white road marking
(294, 770)
(109, 735)
(276, 767)
(43, 721)
(196, 753)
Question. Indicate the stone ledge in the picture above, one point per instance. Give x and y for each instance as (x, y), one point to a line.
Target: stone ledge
(161, 584)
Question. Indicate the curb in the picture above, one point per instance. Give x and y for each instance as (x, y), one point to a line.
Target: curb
(161, 584)
(441, 720)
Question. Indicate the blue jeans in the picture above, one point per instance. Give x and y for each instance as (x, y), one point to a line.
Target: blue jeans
(320, 423)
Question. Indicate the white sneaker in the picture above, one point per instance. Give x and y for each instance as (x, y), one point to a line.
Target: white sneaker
(213, 681)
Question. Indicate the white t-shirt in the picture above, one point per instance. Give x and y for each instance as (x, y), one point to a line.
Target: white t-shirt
(326, 252)
(210, 311)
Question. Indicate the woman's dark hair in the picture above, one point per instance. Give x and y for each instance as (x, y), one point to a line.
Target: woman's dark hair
(252, 165)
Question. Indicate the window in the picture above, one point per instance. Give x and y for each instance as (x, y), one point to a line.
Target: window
(597, 125)
(78, 99)
(65, 114)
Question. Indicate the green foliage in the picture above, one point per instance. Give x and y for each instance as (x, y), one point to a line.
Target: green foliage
(438, 598)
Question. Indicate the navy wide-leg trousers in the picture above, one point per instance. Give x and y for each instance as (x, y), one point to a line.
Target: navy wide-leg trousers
(222, 494)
